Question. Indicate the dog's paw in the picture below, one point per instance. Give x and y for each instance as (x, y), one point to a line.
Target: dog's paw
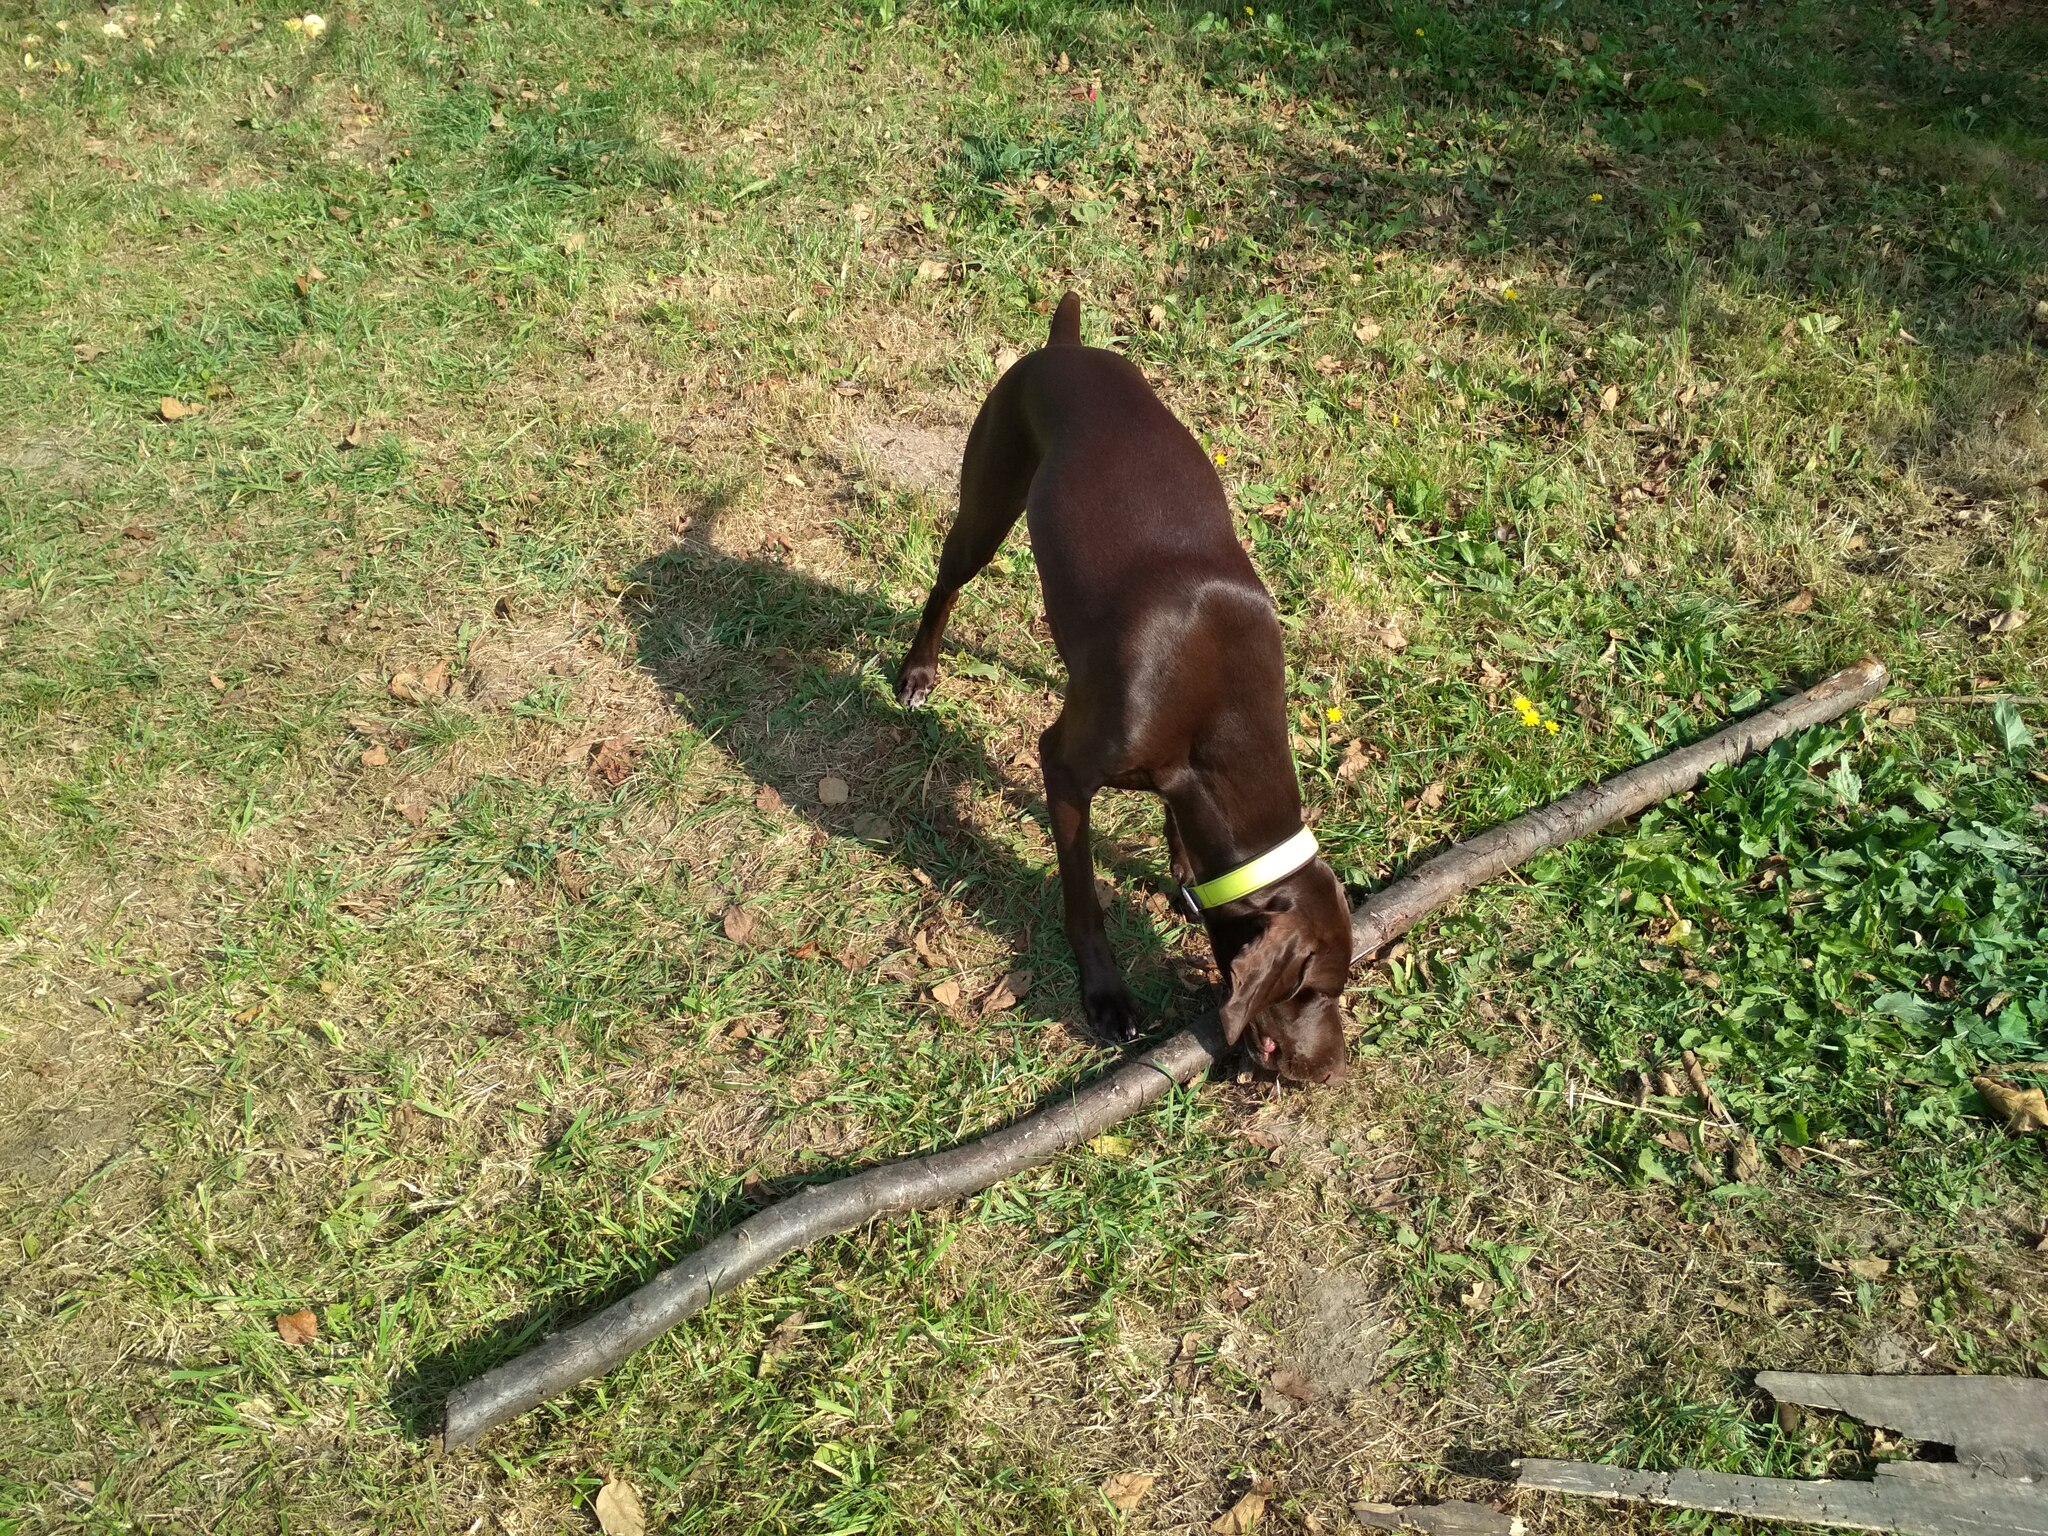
(914, 684)
(1113, 1014)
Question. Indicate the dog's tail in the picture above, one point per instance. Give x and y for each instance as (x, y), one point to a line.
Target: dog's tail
(1066, 323)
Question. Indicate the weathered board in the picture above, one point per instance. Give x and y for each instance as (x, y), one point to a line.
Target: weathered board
(1928, 1501)
(1996, 1422)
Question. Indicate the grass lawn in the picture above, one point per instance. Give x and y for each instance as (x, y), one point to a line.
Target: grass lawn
(467, 474)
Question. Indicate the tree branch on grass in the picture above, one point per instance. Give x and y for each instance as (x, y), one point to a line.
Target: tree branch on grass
(598, 1343)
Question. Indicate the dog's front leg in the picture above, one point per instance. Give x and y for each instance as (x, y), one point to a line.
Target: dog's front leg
(1177, 862)
(1106, 1000)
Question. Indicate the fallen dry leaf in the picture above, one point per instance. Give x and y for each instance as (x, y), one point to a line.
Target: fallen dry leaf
(2017, 1109)
(1798, 603)
(832, 790)
(1155, 320)
(1431, 798)
(434, 681)
(217, 682)
(612, 760)
(740, 924)
(573, 881)
(138, 533)
(2005, 623)
(1749, 1162)
(1005, 993)
(786, 1332)
(354, 437)
(1367, 331)
(1109, 1144)
(374, 757)
(931, 271)
(405, 687)
(574, 241)
(1126, 1490)
(1478, 1296)
(768, 800)
(1355, 761)
(1242, 1517)
(1293, 1384)
(1006, 359)
(618, 1509)
(947, 995)
(305, 280)
(85, 351)
(173, 409)
(298, 1328)
(1610, 397)
(1869, 1269)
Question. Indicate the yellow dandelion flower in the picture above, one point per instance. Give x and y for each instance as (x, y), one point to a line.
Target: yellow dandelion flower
(1596, 198)
(1333, 714)
(1550, 726)
(1509, 293)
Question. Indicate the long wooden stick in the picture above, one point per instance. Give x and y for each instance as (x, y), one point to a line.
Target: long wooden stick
(600, 1342)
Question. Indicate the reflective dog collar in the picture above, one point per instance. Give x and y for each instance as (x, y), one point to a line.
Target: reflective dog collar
(1275, 864)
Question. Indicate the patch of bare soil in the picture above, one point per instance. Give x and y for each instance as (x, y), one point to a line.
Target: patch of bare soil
(1338, 1334)
(911, 456)
(49, 463)
(65, 1102)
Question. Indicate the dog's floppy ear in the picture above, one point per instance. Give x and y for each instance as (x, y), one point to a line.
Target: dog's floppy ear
(1266, 970)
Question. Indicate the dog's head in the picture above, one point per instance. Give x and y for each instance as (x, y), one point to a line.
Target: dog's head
(1288, 956)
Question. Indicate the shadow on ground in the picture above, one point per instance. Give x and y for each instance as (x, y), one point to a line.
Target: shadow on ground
(791, 676)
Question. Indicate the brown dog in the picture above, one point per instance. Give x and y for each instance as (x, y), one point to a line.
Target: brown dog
(1175, 684)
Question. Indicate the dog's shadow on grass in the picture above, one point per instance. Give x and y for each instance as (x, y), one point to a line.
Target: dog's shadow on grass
(793, 677)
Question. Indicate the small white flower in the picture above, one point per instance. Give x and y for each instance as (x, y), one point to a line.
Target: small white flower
(313, 25)
(113, 29)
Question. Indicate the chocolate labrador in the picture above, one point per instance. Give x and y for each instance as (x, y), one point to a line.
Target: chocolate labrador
(1175, 684)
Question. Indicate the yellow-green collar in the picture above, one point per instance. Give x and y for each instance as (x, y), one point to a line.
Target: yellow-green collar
(1274, 864)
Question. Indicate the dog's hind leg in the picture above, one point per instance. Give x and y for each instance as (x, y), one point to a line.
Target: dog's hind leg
(995, 474)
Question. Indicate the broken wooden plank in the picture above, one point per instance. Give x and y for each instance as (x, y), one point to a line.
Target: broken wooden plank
(1453, 1517)
(1910, 1505)
(1996, 1422)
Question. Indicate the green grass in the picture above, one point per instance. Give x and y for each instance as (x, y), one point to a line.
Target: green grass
(1642, 362)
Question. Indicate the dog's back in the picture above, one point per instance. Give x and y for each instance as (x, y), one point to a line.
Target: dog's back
(1144, 578)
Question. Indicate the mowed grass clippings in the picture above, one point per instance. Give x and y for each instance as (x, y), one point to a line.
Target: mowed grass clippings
(467, 475)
